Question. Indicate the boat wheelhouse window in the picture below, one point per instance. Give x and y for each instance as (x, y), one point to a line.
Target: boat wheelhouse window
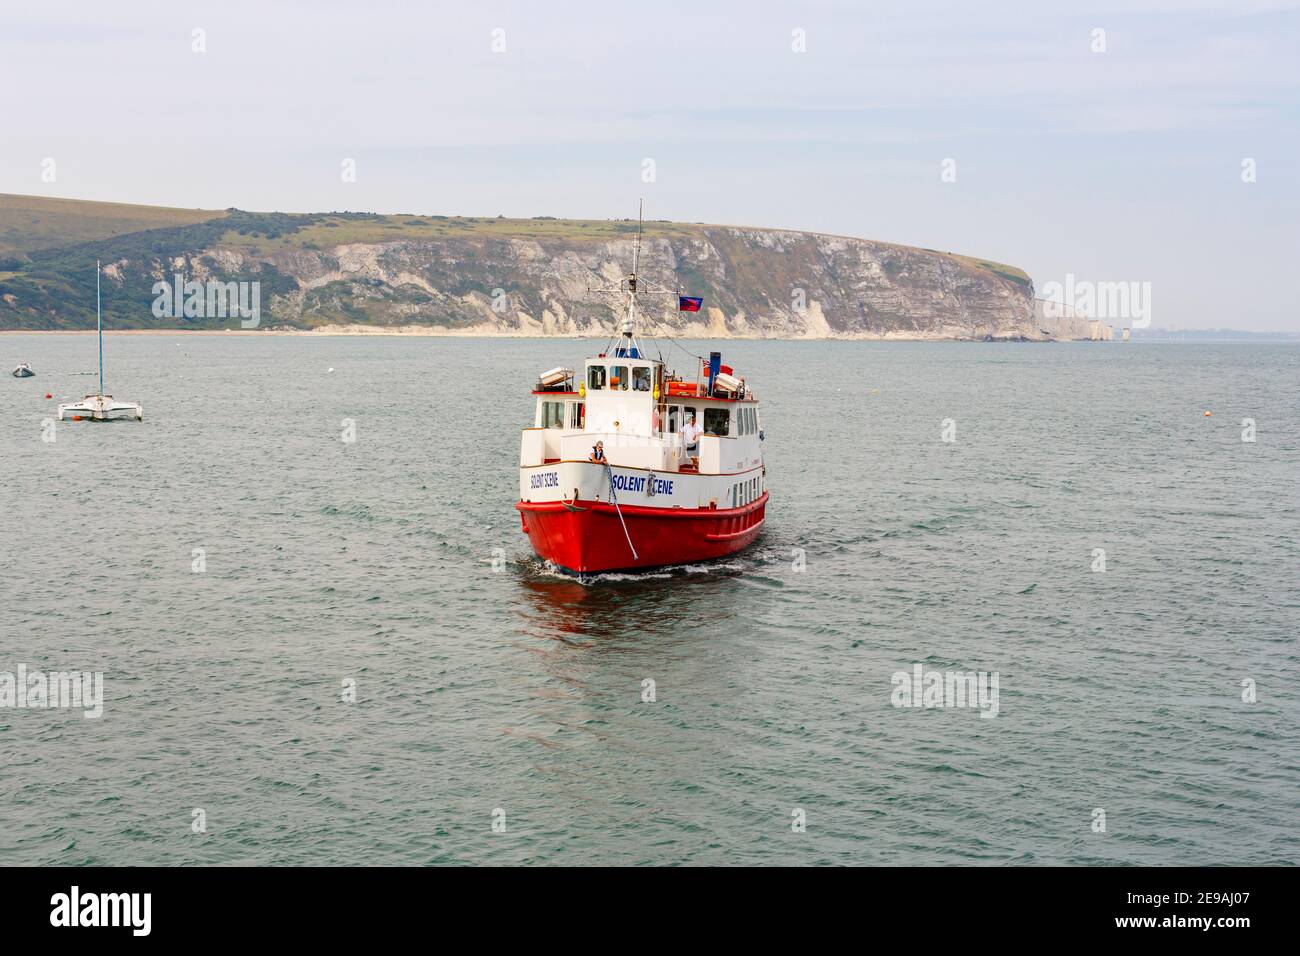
(674, 418)
(552, 414)
(618, 377)
(688, 412)
(577, 413)
(641, 378)
(596, 378)
(742, 422)
(715, 421)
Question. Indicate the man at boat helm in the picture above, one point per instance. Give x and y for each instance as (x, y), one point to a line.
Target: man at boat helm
(597, 452)
(691, 436)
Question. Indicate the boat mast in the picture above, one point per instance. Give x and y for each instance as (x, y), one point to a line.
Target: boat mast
(629, 320)
(629, 344)
(99, 324)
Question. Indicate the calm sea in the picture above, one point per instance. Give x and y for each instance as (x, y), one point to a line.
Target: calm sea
(1160, 692)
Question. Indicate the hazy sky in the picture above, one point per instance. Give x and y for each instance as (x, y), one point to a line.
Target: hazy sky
(1122, 165)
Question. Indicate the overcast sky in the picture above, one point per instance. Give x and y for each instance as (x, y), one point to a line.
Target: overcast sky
(1122, 165)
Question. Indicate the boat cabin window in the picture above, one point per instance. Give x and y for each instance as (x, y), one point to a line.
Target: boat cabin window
(577, 414)
(618, 377)
(688, 412)
(596, 378)
(552, 414)
(674, 418)
(641, 378)
(742, 422)
(715, 421)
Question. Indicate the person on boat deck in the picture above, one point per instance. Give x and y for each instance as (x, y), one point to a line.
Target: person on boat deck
(597, 452)
(691, 436)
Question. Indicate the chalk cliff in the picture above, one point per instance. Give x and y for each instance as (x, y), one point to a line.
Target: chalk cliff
(502, 276)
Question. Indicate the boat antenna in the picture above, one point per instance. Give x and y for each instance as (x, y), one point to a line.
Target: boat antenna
(636, 250)
(631, 286)
(99, 324)
(629, 323)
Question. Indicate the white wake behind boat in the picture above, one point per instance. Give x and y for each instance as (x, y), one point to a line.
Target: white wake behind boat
(99, 407)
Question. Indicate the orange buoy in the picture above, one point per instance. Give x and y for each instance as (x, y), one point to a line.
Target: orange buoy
(48, 395)
(76, 418)
(1209, 414)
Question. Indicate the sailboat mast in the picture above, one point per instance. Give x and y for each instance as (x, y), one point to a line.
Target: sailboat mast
(99, 324)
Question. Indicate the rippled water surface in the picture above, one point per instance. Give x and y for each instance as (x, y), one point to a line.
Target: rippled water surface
(521, 690)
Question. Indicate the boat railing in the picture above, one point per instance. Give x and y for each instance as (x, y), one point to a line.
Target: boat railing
(632, 451)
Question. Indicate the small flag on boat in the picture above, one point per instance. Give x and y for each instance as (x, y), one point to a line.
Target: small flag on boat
(689, 303)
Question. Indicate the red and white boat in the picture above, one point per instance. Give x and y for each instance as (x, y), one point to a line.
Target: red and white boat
(653, 501)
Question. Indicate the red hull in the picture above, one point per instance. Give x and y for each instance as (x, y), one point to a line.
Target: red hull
(587, 537)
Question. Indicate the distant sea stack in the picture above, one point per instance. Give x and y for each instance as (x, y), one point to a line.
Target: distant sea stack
(480, 276)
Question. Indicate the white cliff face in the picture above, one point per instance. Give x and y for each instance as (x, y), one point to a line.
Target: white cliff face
(1060, 321)
(755, 283)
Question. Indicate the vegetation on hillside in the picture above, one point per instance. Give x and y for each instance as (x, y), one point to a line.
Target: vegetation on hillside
(48, 248)
(28, 223)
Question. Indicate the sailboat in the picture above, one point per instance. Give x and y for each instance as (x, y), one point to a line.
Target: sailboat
(630, 465)
(99, 407)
